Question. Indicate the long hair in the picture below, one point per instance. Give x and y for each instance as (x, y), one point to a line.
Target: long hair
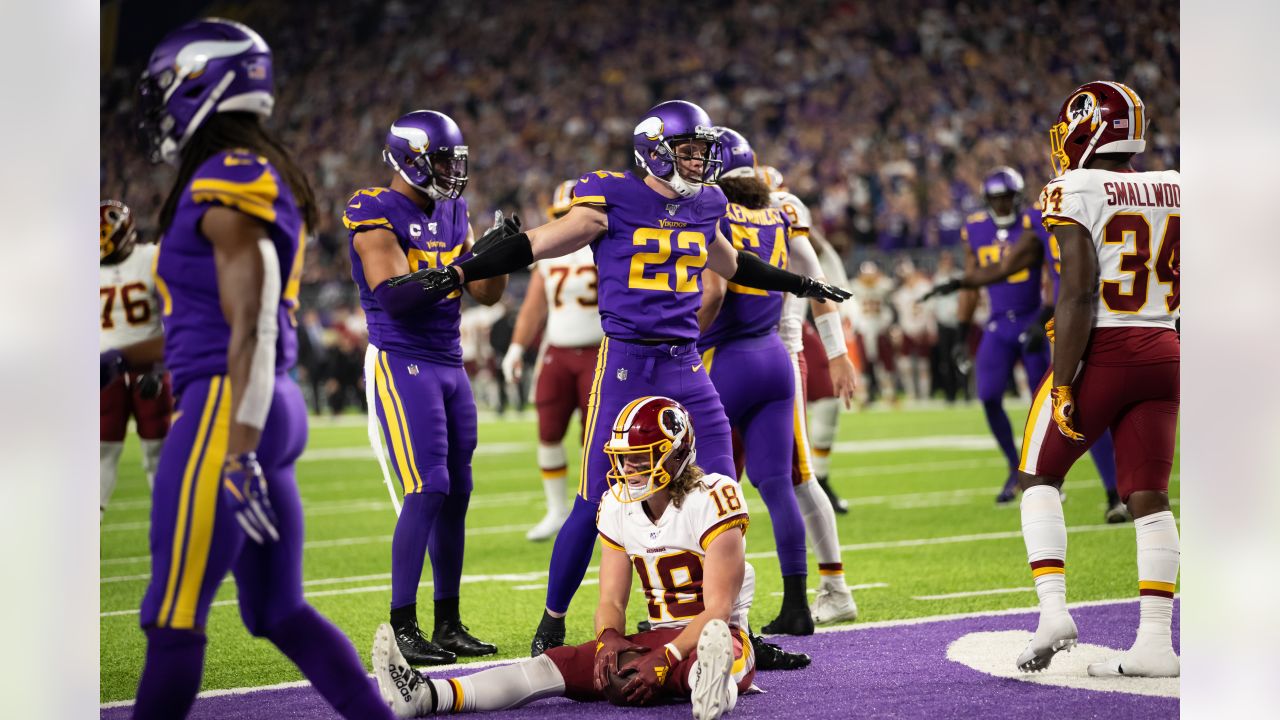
(231, 130)
(680, 487)
(748, 192)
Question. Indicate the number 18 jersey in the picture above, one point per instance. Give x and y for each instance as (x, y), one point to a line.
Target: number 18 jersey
(1134, 220)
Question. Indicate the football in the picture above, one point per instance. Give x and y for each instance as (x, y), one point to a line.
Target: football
(613, 690)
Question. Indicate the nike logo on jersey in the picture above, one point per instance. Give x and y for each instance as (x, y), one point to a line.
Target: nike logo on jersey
(356, 206)
(697, 367)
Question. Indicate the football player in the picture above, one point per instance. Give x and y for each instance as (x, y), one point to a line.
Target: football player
(413, 366)
(1027, 253)
(131, 347)
(227, 273)
(562, 298)
(1115, 365)
(751, 369)
(683, 531)
(653, 232)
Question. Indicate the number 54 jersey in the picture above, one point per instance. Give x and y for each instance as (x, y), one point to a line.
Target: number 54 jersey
(668, 553)
(1134, 220)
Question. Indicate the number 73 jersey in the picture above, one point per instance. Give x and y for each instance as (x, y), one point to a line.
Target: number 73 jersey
(127, 290)
(1135, 221)
(668, 554)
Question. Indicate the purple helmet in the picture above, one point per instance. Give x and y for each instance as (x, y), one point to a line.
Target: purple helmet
(667, 125)
(427, 149)
(1004, 181)
(204, 67)
(737, 159)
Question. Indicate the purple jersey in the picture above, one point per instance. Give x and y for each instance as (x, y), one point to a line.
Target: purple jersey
(195, 332)
(748, 312)
(651, 258)
(1020, 292)
(428, 240)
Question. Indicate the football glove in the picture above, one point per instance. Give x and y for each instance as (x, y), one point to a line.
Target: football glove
(436, 282)
(110, 367)
(609, 643)
(151, 385)
(648, 674)
(244, 493)
(1063, 408)
(1048, 330)
(945, 288)
(810, 288)
(501, 230)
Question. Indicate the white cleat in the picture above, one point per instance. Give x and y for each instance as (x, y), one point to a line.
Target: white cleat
(714, 692)
(1055, 633)
(548, 526)
(401, 687)
(1146, 660)
(831, 605)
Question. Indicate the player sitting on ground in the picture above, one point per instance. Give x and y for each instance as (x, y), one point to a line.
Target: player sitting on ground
(683, 531)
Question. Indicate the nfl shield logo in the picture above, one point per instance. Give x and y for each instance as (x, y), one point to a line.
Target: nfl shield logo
(432, 227)
(413, 370)
(672, 208)
(622, 373)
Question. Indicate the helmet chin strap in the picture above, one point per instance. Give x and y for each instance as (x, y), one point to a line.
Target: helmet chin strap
(678, 184)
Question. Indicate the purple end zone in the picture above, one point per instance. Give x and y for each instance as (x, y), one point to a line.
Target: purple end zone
(899, 671)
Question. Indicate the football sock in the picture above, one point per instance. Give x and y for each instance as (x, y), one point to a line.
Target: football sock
(499, 688)
(446, 609)
(447, 543)
(824, 419)
(1044, 530)
(551, 624)
(571, 554)
(109, 461)
(820, 530)
(998, 421)
(554, 466)
(1158, 556)
(1104, 456)
(170, 674)
(788, 525)
(794, 592)
(404, 615)
(151, 459)
(409, 544)
(329, 661)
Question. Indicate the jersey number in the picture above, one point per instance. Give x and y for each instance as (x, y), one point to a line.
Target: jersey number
(680, 574)
(137, 310)
(685, 281)
(1125, 228)
(562, 274)
(434, 259)
(731, 500)
(747, 237)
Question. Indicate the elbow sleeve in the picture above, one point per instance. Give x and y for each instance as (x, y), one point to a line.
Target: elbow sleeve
(756, 273)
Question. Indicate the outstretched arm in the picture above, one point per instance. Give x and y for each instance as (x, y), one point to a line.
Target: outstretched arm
(488, 291)
(744, 268)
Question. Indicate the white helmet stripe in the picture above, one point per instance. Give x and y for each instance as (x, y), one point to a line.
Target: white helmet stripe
(1128, 98)
(416, 137)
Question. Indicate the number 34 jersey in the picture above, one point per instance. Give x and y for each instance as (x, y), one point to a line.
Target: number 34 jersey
(1134, 220)
(127, 289)
(668, 554)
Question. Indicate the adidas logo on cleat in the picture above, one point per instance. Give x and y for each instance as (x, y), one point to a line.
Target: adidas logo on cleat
(406, 680)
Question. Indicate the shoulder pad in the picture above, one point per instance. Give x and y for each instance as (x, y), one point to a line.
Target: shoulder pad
(365, 210)
(240, 180)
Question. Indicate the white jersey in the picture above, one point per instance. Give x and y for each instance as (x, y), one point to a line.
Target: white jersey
(127, 290)
(573, 314)
(1134, 220)
(795, 210)
(790, 325)
(668, 555)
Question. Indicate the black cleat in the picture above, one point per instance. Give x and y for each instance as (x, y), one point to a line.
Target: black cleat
(837, 504)
(550, 634)
(452, 635)
(772, 657)
(791, 621)
(644, 626)
(418, 650)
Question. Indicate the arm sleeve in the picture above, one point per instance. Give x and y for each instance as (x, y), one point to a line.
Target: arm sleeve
(756, 273)
(804, 259)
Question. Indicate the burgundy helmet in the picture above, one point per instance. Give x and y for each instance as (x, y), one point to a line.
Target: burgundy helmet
(116, 232)
(650, 444)
(1099, 117)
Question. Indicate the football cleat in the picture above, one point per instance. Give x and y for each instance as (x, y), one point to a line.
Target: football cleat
(550, 634)
(1118, 513)
(1142, 660)
(831, 605)
(773, 657)
(418, 650)
(1009, 492)
(453, 636)
(791, 621)
(400, 686)
(839, 504)
(1055, 633)
(644, 626)
(548, 526)
(713, 690)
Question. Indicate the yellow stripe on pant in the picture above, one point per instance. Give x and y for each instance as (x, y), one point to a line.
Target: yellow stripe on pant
(1033, 415)
(801, 425)
(397, 428)
(707, 356)
(197, 509)
(593, 409)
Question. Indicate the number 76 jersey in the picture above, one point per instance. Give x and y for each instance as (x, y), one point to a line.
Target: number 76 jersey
(127, 289)
(668, 555)
(1135, 221)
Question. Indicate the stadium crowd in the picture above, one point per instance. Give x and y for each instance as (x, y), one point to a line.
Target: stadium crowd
(873, 112)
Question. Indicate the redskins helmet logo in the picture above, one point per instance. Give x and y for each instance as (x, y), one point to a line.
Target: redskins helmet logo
(651, 127)
(1083, 106)
(672, 423)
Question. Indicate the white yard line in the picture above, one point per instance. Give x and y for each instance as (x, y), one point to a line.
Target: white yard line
(974, 593)
(862, 586)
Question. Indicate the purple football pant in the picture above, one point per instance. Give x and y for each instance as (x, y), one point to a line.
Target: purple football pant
(194, 542)
(999, 349)
(428, 419)
(624, 372)
(756, 383)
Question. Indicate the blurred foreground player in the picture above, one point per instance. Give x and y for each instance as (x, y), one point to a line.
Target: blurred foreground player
(562, 300)
(131, 346)
(1115, 365)
(682, 531)
(230, 262)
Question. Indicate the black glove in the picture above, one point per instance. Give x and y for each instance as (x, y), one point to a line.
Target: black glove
(960, 351)
(501, 230)
(945, 288)
(810, 288)
(151, 385)
(436, 282)
(1034, 337)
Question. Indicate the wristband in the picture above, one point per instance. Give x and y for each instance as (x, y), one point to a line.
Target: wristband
(671, 648)
(832, 333)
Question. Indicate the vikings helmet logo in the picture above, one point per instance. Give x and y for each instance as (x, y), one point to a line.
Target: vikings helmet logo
(651, 127)
(416, 137)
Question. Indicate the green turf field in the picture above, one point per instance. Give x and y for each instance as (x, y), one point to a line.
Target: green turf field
(921, 524)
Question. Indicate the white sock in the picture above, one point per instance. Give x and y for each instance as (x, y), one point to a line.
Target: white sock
(555, 470)
(109, 459)
(151, 459)
(499, 688)
(1044, 530)
(824, 419)
(1158, 556)
(820, 529)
